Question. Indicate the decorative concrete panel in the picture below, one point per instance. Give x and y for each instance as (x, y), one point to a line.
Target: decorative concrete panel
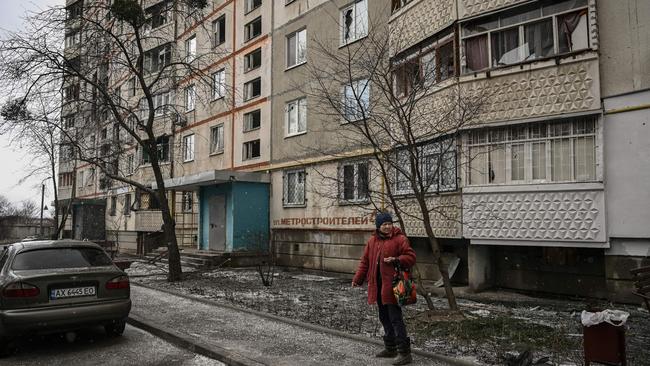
(418, 21)
(148, 220)
(445, 216)
(467, 8)
(567, 88)
(540, 216)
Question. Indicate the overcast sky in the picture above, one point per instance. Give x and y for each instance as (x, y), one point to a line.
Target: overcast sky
(12, 160)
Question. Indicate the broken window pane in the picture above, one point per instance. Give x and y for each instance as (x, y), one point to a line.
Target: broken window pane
(573, 31)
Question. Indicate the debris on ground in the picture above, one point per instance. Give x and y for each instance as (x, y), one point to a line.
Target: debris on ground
(494, 325)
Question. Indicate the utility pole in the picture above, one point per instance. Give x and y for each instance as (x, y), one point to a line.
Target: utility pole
(42, 198)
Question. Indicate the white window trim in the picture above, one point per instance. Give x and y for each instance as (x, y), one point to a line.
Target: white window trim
(520, 27)
(297, 104)
(188, 148)
(355, 34)
(190, 48)
(357, 98)
(297, 61)
(190, 98)
(219, 149)
(221, 91)
(528, 166)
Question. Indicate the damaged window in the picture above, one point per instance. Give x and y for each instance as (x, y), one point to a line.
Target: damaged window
(354, 22)
(525, 33)
(432, 63)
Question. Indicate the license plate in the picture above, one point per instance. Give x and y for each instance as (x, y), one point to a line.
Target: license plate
(62, 293)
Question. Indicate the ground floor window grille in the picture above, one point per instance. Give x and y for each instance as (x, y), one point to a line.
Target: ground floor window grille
(294, 188)
(437, 167)
(353, 182)
(554, 151)
(187, 201)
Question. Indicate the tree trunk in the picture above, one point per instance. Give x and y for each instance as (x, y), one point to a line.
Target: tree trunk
(422, 290)
(444, 272)
(169, 228)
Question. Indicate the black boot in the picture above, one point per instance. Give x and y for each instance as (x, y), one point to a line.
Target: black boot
(390, 348)
(404, 353)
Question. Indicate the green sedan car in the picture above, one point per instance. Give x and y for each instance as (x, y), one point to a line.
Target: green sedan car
(58, 286)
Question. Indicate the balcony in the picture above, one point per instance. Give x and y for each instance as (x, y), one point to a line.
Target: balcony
(148, 220)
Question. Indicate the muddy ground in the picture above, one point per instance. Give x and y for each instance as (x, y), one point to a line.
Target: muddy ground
(496, 325)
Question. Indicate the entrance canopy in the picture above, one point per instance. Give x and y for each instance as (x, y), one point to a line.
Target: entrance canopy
(212, 177)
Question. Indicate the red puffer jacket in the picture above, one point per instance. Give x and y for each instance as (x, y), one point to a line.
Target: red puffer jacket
(395, 245)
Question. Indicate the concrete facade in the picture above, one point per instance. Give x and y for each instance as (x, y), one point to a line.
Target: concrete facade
(541, 200)
(625, 49)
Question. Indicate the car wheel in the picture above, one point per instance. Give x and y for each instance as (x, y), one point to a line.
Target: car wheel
(115, 328)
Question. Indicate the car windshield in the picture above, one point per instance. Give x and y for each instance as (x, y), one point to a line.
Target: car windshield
(60, 258)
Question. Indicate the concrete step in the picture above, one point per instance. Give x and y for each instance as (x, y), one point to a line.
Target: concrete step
(185, 260)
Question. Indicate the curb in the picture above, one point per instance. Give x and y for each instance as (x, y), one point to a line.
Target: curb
(192, 344)
(313, 327)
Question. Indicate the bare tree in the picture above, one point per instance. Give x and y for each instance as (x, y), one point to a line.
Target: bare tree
(402, 109)
(116, 76)
(37, 133)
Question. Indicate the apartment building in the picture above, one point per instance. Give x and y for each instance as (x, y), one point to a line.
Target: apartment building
(313, 225)
(212, 129)
(539, 192)
(625, 85)
(542, 201)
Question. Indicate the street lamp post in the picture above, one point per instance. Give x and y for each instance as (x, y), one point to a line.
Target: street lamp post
(42, 199)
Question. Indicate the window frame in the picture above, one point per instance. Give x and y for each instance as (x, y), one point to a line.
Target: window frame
(187, 202)
(248, 150)
(189, 148)
(219, 91)
(297, 51)
(248, 126)
(357, 100)
(190, 48)
(343, 41)
(248, 94)
(190, 98)
(431, 154)
(219, 36)
(249, 5)
(249, 57)
(249, 29)
(300, 107)
(521, 29)
(481, 141)
(300, 174)
(357, 199)
(215, 147)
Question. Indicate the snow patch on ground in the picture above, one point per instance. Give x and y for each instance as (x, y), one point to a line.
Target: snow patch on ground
(494, 323)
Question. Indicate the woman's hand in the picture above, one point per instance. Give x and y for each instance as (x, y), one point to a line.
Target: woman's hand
(390, 259)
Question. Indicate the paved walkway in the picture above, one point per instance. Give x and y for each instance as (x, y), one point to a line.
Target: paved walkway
(245, 337)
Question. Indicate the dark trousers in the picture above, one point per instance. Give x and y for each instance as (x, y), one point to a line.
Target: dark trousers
(391, 319)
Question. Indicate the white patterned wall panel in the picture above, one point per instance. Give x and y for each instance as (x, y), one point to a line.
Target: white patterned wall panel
(419, 21)
(553, 90)
(540, 216)
(468, 8)
(445, 216)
